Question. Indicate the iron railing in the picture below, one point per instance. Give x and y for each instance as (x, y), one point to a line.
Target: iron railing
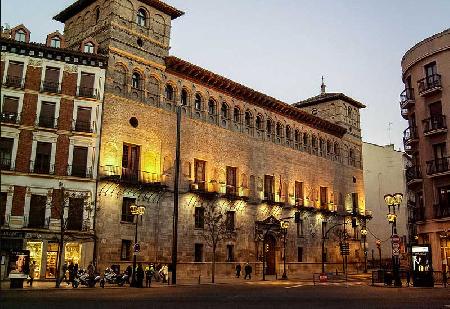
(441, 210)
(409, 135)
(14, 81)
(6, 164)
(79, 171)
(42, 167)
(439, 165)
(50, 86)
(432, 81)
(87, 92)
(413, 173)
(127, 175)
(45, 121)
(434, 123)
(10, 117)
(406, 97)
(83, 126)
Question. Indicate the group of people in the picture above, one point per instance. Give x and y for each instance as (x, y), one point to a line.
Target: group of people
(247, 271)
(151, 271)
(71, 270)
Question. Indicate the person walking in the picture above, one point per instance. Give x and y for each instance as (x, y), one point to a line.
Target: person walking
(140, 276)
(31, 274)
(70, 268)
(148, 275)
(129, 272)
(248, 271)
(238, 270)
(165, 272)
(64, 275)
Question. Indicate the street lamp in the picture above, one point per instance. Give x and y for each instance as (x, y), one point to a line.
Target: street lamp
(284, 228)
(364, 237)
(393, 202)
(137, 211)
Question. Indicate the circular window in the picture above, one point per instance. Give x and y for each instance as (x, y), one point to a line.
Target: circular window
(140, 43)
(134, 122)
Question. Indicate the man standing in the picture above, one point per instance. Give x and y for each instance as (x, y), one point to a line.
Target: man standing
(248, 271)
(31, 274)
(238, 270)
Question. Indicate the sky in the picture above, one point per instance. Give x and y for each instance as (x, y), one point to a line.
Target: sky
(283, 47)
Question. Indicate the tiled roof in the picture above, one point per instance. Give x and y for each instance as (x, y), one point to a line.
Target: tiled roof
(325, 97)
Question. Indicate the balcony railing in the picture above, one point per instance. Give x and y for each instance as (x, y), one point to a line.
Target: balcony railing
(87, 92)
(441, 210)
(436, 166)
(47, 122)
(434, 124)
(407, 97)
(404, 112)
(49, 86)
(10, 117)
(413, 173)
(14, 82)
(42, 167)
(6, 164)
(83, 126)
(430, 84)
(410, 135)
(127, 175)
(79, 171)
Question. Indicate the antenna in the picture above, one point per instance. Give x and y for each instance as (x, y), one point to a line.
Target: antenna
(389, 132)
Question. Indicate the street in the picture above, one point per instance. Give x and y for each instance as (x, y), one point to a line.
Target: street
(256, 294)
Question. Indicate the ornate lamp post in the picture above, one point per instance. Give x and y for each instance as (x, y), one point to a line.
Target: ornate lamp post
(364, 237)
(284, 229)
(393, 202)
(137, 211)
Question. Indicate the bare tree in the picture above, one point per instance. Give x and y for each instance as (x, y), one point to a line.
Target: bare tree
(217, 228)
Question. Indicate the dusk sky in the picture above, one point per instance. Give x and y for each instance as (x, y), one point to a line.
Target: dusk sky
(283, 47)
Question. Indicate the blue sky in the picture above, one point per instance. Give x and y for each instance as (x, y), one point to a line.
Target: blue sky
(283, 47)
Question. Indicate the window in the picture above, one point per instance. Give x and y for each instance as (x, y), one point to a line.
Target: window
(298, 193)
(199, 217)
(430, 72)
(136, 81)
(130, 162)
(47, 115)
(198, 102)
(248, 119)
(36, 217)
(15, 74)
(125, 252)
(55, 42)
(6, 146)
(75, 217)
(88, 47)
(355, 203)
(323, 197)
(224, 110)
(10, 109)
(288, 132)
(199, 173)
(184, 97)
(299, 223)
(296, 136)
(211, 107)
(236, 115)
(299, 254)
(351, 157)
(269, 188)
(20, 36)
(169, 93)
(230, 220)
(42, 161)
(127, 216)
(329, 147)
(279, 130)
(305, 139)
(269, 127)
(230, 253)
(336, 149)
(79, 162)
(231, 180)
(83, 121)
(141, 18)
(86, 88)
(314, 142)
(259, 122)
(3, 199)
(198, 255)
(51, 81)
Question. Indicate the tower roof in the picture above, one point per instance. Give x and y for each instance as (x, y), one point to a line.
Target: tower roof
(326, 97)
(82, 4)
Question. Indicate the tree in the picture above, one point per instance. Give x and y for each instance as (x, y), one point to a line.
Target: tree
(217, 228)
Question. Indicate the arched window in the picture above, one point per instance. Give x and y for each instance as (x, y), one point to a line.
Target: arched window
(141, 17)
(89, 48)
(259, 122)
(153, 86)
(120, 75)
(136, 80)
(269, 127)
(97, 14)
(321, 145)
(184, 97)
(279, 129)
(351, 157)
(211, 107)
(20, 36)
(55, 42)
(349, 112)
(336, 149)
(169, 93)
(329, 147)
(305, 139)
(288, 132)
(248, 119)
(314, 142)
(198, 101)
(236, 114)
(296, 136)
(224, 110)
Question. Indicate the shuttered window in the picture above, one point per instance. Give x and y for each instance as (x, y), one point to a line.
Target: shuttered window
(36, 218)
(83, 122)
(87, 84)
(42, 161)
(47, 115)
(15, 69)
(75, 216)
(79, 162)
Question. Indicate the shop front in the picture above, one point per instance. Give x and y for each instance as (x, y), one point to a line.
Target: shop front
(9, 241)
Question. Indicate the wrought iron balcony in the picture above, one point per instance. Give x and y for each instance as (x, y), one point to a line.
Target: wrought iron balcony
(127, 175)
(413, 174)
(438, 166)
(14, 82)
(434, 125)
(410, 135)
(407, 98)
(45, 121)
(10, 117)
(430, 84)
(79, 171)
(42, 167)
(6, 164)
(87, 92)
(404, 112)
(82, 126)
(441, 210)
(50, 86)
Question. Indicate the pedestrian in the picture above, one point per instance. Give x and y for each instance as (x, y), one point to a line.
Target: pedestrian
(31, 273)
(408, 278)
(70, 268)
(90, 270)
(148, 275)
(139, 276)
(165, 273)
(64, 276)
(238, 270)
(248, 271)
(129, 272)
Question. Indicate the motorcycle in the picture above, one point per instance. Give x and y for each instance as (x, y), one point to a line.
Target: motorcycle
(112, 278)
(83, 278)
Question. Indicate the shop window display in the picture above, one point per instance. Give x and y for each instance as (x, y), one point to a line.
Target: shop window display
(52, 258)
(35, 248)
(72, 253)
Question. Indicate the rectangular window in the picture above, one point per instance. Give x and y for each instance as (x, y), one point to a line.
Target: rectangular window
(10, 109)
(199, 217)
(47, 115)
(83, 122)
(355, 203)
(3, 198)
(198, 257)
(51, 81)
(269, 188)
(42, 161)
(127, 216)
(299, 228)
(15, 74)
(125, 252)
(430, 69)
(87, 85)
(435, 109)
(231, 180)
(75, 217)
(36, 217)
(6, 146)
(323, 197)
(298, 193)
(230, 220)
(130, 162)
(299, 254)
(200, 175)
(79, 162)
(230, 253)
(440, 151)
(444, 196)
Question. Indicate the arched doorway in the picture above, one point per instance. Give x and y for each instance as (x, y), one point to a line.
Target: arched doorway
(270, 243)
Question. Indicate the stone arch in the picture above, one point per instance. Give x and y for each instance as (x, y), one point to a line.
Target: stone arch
(120, 74)
(159, 27)
(198, 101)
(212, 106)
(248, 118)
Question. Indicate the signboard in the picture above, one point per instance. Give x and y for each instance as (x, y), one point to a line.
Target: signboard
(19, 264)
(395, 239)
(345, 248)
(422, 266)
(323, 277)
(137, 247)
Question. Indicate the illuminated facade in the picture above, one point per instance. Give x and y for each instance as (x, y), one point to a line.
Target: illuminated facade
(260, 158)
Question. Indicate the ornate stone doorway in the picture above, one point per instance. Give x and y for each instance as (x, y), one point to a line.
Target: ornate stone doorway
(270, 243)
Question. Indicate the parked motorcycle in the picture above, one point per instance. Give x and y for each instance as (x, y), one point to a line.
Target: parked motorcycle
(83, 278)
(112, 278)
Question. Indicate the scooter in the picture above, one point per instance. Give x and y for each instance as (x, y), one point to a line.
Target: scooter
(83, 278)
(112, 278)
